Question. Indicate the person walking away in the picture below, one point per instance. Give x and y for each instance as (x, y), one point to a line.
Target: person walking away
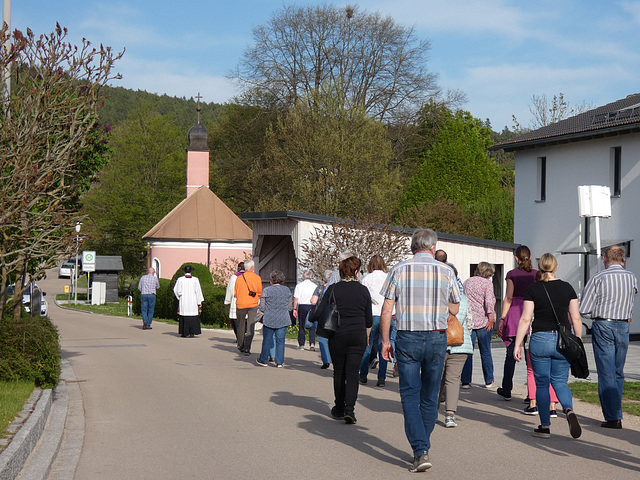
(247, 291)
(275, 303)
(607, 300)
(518, 279)
(148, 285)
(350, 339)
(482, 301)
(547, 300)
(230, 299)
(423, 292)
(453, 363)
(302, 306)
(323, 342)
(373, 281)
(189, 294)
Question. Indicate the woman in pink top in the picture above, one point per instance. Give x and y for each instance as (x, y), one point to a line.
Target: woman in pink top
(481, 305)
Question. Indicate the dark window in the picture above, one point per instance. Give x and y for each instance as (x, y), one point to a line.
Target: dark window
(616, 171)
(542, 179)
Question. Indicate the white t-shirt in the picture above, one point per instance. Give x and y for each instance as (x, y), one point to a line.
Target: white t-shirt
(373, 282)
(304, 291)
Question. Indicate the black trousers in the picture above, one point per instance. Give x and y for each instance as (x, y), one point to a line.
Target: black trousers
(347, 349)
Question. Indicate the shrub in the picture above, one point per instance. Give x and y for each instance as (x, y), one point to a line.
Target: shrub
(29, 350)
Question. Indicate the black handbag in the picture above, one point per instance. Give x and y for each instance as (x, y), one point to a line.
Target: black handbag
(570, 346)
(328, 318)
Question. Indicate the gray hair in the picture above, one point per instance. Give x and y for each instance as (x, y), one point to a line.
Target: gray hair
(249, 264)
(327, 275)
(307, 275)
(423, 239)
(344, 255)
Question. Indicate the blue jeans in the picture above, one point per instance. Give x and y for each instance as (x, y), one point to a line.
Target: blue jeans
(375, 336)
(267, 340)
(324, 349)
(610, 344)
(420, 357)
(484, 345)
(549, 367)
(147, 305)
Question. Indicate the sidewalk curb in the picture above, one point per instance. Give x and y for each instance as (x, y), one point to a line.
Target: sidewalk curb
(35, 446)
(15, 456)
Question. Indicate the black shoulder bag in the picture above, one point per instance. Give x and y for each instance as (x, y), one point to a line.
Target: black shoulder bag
(570, 346)
(328, 318)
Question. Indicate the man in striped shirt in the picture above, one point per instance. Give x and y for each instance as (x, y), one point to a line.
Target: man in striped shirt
(608, 299)
(423, 292)
(148, 285)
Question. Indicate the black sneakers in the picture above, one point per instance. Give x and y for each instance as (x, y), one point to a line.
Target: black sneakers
(501, 391)
(574, 427)
(542, 432)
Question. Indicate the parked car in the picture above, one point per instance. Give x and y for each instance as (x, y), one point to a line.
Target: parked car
(66, 270)
(26, 299)
(73, 260)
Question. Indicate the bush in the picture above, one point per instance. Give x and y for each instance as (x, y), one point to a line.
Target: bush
(29, 350)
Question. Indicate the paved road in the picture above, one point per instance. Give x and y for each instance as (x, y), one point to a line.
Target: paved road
(157, 406)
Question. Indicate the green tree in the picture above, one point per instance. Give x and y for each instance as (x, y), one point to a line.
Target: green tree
(49, 147)
(144, 180)
(329, 161)
(459, 188)
(237, 143)
(457, 167)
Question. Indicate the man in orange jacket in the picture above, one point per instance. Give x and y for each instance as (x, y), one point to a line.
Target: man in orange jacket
(247, 292)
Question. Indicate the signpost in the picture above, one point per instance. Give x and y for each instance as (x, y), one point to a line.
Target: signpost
(88, 265)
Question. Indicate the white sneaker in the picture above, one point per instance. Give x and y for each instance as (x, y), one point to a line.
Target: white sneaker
(301, 347)
(490, 385)
(450, 422)
(465, 386)
(312, 347)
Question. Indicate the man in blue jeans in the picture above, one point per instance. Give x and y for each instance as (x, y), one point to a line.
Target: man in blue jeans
(423, 292)
(608, 299)
(148, 285)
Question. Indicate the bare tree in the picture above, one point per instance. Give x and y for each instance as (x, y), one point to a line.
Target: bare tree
(46, 144)
(547, 111)
(379, 65)
(322, 249)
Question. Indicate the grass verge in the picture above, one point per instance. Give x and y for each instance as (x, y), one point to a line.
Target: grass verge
(588, 392)
(13, 395)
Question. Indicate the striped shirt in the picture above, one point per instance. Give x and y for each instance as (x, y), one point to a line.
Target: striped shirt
(610, 294)
(422, 288)
(148, 284)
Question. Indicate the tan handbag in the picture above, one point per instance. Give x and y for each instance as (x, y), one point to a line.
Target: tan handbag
(455, 332)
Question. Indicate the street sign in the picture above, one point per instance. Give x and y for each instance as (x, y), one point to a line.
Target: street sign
(89, 261)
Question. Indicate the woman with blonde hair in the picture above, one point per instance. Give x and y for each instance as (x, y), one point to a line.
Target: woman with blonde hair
(552, 301)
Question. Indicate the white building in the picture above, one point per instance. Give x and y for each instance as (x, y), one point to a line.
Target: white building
(278, 238)
(598, 147)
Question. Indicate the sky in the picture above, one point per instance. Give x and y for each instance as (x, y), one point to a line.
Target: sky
(498, 52)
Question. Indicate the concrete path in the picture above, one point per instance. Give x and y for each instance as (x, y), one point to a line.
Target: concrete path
(157, 406)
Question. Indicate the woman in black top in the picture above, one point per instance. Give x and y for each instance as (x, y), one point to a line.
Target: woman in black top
(547, 362)
(348, 344)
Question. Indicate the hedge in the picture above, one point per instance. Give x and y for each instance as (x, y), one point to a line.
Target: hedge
(29, 350)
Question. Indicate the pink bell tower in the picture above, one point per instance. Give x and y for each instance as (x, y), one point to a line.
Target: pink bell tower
(197, 155)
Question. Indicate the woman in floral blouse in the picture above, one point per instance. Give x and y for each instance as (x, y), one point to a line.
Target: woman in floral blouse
(482, 301)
